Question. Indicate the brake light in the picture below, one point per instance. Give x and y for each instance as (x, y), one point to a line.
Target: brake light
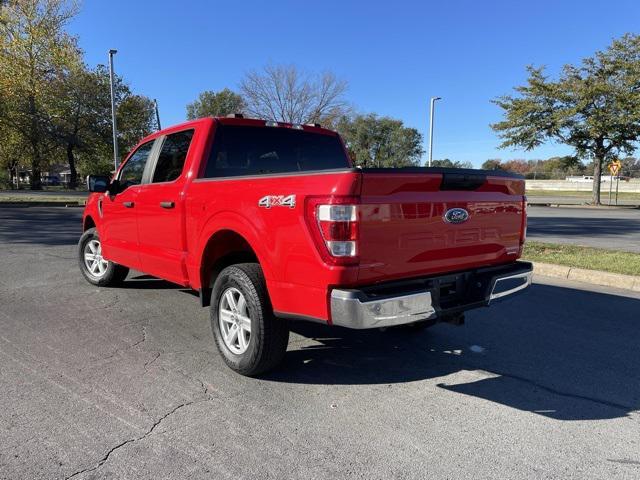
(334, 225)
(339, 228)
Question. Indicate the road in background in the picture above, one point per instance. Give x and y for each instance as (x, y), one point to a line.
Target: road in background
(43, 193)
(126, 383)
(579, 200)
(615, 229)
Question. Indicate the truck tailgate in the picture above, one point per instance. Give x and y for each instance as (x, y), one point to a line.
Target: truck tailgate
(404, 231)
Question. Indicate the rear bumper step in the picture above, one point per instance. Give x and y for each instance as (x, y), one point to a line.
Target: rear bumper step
(410, 301)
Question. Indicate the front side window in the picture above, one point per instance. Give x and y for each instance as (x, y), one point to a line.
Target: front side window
(244, 150)
(172, 156)
(131, 173)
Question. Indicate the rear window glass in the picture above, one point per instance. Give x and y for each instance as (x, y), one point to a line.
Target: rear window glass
(242, 150)
(172, 156)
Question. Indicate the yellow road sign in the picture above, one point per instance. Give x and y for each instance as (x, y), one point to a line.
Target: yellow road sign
(614, 167)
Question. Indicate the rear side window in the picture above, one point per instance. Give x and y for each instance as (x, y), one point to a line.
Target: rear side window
(131, 173)
(242, 150)
(172, 156)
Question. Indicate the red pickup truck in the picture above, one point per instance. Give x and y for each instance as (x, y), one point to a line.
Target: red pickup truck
(270, 221)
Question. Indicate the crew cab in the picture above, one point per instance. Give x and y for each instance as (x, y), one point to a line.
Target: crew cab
(271, 221)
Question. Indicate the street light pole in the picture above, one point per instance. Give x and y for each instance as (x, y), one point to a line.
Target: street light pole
(155, 105)
(433, 101)
(112, 52)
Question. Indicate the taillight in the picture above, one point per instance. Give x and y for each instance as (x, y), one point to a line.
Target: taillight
(339, 229)
(336, 228)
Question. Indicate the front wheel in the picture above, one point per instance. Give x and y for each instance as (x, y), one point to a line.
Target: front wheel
(94, 267)
(249, 337)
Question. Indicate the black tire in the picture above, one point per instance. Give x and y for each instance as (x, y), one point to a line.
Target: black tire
(269, 335)
(113, 275)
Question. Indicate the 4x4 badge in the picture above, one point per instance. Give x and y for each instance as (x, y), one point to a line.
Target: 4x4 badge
(269, 201)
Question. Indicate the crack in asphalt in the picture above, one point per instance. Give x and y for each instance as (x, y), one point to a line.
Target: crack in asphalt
(151, 362)
(624, 461)
(129, 347)
(208, 396)
(149, 432)
(144, 337)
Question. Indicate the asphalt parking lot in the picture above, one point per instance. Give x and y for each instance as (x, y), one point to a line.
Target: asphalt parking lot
(126, 383)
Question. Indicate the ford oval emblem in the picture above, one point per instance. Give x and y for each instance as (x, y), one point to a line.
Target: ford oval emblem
(456, 215)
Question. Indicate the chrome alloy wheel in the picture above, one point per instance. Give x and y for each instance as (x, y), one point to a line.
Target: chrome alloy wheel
(93, 260)
(235, 324)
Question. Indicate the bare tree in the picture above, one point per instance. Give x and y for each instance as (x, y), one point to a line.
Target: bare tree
(283, 93)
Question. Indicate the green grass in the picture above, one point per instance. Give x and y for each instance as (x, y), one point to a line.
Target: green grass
(604, 194)
(583, 257)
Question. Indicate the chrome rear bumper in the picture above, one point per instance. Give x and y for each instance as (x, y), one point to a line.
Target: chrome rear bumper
(520, 281)
(349, 310)
(423, 299)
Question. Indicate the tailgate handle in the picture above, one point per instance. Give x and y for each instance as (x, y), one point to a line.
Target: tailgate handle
(167, 204)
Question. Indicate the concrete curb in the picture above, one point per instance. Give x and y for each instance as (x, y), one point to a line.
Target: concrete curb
(596, 277)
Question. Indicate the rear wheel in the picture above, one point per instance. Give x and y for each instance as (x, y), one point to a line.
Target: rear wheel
(249, 337)
(94, 267)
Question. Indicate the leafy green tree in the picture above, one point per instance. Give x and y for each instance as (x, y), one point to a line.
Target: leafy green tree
(82, 123)
(570, 164)
(136, 119)
(375, 141)
(82, 110)
(215, 104)
(516, 166)
(11, 154)
(630, 167)
(593, 107)
(34, 52)
(446, 163)
(492, 164)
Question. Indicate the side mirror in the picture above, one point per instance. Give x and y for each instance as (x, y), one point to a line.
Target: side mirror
(98, 183)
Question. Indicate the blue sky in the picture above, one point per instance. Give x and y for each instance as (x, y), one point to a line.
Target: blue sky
(395, 55)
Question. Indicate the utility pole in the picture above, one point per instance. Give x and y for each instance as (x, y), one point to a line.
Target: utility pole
(433, 101)
(112, 52)
(155, 104)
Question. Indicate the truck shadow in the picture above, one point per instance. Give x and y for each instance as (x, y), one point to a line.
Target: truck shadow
(563, 353)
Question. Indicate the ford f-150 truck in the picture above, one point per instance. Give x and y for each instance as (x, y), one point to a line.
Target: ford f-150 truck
(270, 222)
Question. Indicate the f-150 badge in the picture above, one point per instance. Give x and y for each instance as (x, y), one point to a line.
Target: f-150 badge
(269, 201)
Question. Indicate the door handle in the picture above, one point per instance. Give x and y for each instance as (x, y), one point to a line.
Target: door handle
(128, 204)
(167, 204)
